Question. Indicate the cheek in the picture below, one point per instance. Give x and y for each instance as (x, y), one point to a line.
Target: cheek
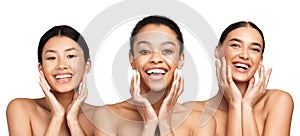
(48, 67)
(172, 61)
(256, 59)
(141, 61)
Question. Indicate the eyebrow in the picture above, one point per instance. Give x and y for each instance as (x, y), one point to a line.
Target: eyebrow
(143, 42)
(168, 42)
(53, 51)
(238, 40)
(164, 43)
(70, 49)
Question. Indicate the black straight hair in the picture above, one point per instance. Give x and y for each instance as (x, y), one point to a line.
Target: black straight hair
(63, 30)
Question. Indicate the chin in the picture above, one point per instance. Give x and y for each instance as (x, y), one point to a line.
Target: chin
(157, 88)
(64, 89)
(241, 78)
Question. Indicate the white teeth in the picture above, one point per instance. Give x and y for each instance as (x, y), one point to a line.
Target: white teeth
(63, 76)
(241, 65)
(156, 71)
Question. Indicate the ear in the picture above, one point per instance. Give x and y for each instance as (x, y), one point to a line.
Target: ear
(88, 65)
(180, 61)
(217, 52)
(131, 59)
(262, 58)
(40, 67)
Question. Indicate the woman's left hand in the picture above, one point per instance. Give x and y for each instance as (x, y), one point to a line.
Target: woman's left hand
(255, 93)
(78, 98)
(173, 95)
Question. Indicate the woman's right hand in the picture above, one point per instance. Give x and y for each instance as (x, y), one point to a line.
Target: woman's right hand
(226, 84)
(56, 108)
(144, 107)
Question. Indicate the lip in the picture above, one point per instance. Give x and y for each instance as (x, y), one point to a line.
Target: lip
(63, 77)
(157, 76)
(241, 69)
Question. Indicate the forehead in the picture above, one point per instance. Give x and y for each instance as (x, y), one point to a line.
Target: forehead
(61, 43)
(246, 34)
(156, 33)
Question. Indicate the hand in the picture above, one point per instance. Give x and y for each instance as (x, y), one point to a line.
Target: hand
(173, 95)
(56, 108)
(143, 105)
(78, 98)
(255, 93)
(231, 93)
(167, 107)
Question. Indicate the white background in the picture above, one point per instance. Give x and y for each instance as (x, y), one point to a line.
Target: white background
(22, 23)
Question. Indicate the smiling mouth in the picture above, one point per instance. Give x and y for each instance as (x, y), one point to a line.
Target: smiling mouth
(156, 73)
(241, 66)
(63, 76)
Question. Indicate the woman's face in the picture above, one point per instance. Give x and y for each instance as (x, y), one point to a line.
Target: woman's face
(63, 63)
(156, 56)
(243, 52)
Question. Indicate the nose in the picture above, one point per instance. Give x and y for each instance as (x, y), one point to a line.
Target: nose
(156, 58)
(62, 64)
(244, 54)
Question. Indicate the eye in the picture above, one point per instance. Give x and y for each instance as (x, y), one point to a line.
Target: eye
(234, 45)
(167, 51)
(255, 50)
(71, 56)
(50, 58)
(144, 52)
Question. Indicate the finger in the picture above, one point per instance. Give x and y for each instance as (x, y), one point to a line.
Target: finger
(138, 81)
(261, 75)
(176, 89)
(229, 75)
(268, 77)
(132, 83)
(259, 69)
(251, 84)
(181, 82)
(173, 87)
(83, 89)
(43, 83)
(218, 68)
(223, 70)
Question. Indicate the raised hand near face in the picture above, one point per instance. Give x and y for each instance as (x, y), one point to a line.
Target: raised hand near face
(56, 108)
(78, 98)
(255, 92)
(226, 84)
(173, 95)
(143, 105)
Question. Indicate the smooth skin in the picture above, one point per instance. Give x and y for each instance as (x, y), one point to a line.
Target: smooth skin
(62, 111)
(246, 108)
(153, 108)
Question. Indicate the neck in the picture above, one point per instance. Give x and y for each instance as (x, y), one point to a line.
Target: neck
(156, 98)
(242, 86)
(65, 99)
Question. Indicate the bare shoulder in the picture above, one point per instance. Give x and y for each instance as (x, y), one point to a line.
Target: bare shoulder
(279, 96)
(21, 105)
(19, 112)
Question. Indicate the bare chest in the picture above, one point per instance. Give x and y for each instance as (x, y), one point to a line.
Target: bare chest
(221, 120)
